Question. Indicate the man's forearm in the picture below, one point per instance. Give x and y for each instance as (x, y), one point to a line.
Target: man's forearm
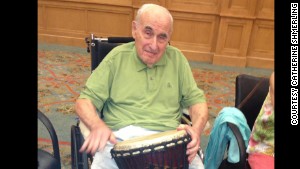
(87, 113)
(199, 116)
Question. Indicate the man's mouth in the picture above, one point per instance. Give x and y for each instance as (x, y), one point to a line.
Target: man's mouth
(151, 52)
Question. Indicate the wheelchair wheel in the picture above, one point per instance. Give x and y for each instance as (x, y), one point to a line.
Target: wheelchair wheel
(79, 160)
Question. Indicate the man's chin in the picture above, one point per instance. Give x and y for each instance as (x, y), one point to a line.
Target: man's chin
(150, 64)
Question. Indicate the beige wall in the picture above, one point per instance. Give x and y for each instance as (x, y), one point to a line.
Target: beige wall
(222, 32)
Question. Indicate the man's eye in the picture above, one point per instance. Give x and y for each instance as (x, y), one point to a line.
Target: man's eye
(148, 33)
(162, 37)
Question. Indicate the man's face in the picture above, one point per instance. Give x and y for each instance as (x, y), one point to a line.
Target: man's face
(151, 34)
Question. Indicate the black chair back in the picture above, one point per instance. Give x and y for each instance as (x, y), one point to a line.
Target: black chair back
(250, 94)
(45, 159)
(100, 47)
(99, 51)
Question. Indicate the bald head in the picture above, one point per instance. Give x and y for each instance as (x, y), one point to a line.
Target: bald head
(155, 11)
(152, 29)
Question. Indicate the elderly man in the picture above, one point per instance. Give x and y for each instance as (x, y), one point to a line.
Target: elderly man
(141, 87)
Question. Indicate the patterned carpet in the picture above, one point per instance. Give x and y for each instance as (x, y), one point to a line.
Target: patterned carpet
(63, 70)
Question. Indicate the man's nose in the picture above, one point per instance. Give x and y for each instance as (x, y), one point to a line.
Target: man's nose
(153, 44)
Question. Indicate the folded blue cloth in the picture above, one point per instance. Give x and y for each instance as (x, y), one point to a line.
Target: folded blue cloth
(221, 134)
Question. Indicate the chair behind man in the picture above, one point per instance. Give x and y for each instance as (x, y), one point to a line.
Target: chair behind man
(100, 47)
(250, 93)
(45, 159)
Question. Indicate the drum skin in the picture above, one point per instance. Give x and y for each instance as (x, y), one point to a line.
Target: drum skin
(164, 150)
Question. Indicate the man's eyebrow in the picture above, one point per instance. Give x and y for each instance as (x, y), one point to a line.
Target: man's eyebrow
(163, 35)
(148, 28)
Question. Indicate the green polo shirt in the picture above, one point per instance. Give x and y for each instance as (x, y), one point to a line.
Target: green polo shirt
(130, 93)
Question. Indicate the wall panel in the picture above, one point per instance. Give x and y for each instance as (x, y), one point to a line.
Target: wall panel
(232, 35)
(195, 6)
(261, 47)
(65, 19)
(138, 3)
(265, 9)
(195, 35)
(109, 23)
(41, 17)
(232, 41)
(70, 21)
(221, 32)
(238, 8)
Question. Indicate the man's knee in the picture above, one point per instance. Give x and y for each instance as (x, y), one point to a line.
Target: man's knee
(196, 163)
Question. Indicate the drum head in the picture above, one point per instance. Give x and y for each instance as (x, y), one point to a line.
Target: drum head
(150, 140)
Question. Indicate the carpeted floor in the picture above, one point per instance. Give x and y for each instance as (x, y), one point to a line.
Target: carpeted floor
(63, 70)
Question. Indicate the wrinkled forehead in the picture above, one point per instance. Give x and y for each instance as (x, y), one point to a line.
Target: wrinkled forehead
(157, 20)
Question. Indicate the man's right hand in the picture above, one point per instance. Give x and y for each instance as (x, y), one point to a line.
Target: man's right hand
(97, 139)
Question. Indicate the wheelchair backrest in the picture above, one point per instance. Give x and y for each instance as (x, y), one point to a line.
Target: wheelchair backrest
(100, 47)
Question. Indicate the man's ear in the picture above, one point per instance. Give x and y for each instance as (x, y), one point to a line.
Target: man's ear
(133, 28)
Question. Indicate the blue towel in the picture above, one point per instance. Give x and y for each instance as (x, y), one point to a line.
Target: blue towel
(221, 134)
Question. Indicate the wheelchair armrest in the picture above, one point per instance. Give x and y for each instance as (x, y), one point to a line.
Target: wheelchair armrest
(185, 119)
(79, 160)
(242, 148)
(240, 141)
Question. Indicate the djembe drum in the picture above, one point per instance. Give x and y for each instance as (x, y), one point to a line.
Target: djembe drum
(165, 150)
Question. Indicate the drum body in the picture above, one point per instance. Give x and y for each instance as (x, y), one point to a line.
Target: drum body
(165, 150)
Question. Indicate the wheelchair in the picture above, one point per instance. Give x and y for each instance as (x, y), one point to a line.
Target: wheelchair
(100, 47)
